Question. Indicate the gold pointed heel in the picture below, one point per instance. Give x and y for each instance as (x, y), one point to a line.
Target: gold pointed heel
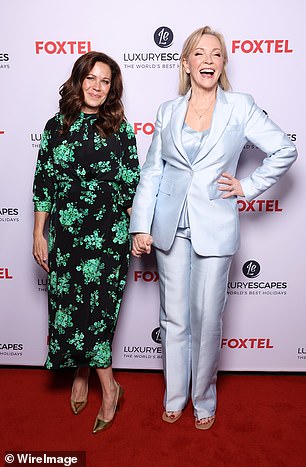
(77, 407)
(101, 424)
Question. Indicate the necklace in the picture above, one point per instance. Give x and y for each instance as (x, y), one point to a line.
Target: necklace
(200, 115)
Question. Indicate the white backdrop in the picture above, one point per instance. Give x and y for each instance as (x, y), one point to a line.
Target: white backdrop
(265, 320)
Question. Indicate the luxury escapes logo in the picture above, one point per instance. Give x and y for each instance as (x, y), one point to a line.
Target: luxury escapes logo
(42, 284)
(9, 214)
(262, 46)
(62, 47)
(149, 352)
(4, 61)
(11, 349)
(163, 37)
(154, 59)
(301, 353)
(156, 335)
(35, 140)
(251, 269)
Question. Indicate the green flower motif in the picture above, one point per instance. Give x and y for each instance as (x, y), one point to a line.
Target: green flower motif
(94, 241)
(94, 300)
(121, 231)
(81, 172)
(99, 142)
(49, 364)
(52, 282)
(76, 126)
(64, 153)
(101, 213)
(114, 254)
(79, 295)
(72, 218)
(54, 346)
(63, 318)
(63, 285)
(44, 142)
(98, 327)
(51, 238)
(100, 356)
(88, 196)
(78, 340)
(44, 206)
(68, 361)
(92, 270)
(127, 127)
(101, 166)
(64, 185)
(129, 176)
(61, 259)
(113, 276)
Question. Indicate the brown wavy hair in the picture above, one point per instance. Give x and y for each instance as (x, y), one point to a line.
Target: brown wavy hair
(189, 45)
(111, 112)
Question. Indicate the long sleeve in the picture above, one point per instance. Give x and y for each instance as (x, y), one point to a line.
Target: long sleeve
(151, 173)
(44, 180)
(269, 138)
(129, 170)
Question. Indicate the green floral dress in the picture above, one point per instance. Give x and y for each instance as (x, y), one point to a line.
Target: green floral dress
(86, 183)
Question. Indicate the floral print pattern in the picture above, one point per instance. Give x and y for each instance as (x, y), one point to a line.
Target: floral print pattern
(86, 183)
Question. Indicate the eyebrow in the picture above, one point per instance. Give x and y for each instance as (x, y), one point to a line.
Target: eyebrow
(104, 77)
(202, 48)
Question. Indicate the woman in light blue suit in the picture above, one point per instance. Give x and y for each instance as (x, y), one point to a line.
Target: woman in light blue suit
(186, 205)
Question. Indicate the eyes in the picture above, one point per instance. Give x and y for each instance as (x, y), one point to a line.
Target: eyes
(213, 54)
(92, 79)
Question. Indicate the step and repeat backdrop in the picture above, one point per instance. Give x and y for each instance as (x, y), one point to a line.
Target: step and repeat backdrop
(265, 319)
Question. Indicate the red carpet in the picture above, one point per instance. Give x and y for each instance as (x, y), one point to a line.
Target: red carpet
(261, 421)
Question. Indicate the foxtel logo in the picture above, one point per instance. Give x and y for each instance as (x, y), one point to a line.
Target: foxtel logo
(247, 343)
(62, 47)
(269, 46)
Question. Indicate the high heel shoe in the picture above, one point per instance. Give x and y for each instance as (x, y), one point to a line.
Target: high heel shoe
(101, 424)
(78, 406)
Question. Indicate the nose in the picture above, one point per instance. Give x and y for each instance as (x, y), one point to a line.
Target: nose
(97, 85)
(208, 58)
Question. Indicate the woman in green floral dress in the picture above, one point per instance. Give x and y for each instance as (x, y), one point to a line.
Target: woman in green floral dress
(86, 175)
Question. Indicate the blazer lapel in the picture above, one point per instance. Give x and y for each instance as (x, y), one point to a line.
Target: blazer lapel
(177, 122)
(221, 116)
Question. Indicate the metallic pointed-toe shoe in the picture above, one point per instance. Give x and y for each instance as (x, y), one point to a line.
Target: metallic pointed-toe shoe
(101, 424)
(77, 407)
(209, 421)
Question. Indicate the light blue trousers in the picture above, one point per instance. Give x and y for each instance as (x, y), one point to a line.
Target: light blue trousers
(193, 292)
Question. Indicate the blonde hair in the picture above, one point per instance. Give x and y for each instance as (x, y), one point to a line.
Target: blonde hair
(189, 45)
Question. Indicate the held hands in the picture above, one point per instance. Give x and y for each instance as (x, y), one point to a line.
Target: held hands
(40, 252)
(141, 244)
(231, 185)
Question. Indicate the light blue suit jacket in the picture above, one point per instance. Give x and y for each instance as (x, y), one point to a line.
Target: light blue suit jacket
(168, 178)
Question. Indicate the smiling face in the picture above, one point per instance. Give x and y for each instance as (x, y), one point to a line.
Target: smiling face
(96, 87)
(205, 63)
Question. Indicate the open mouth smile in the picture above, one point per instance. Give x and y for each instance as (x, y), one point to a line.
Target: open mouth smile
(207, 71)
